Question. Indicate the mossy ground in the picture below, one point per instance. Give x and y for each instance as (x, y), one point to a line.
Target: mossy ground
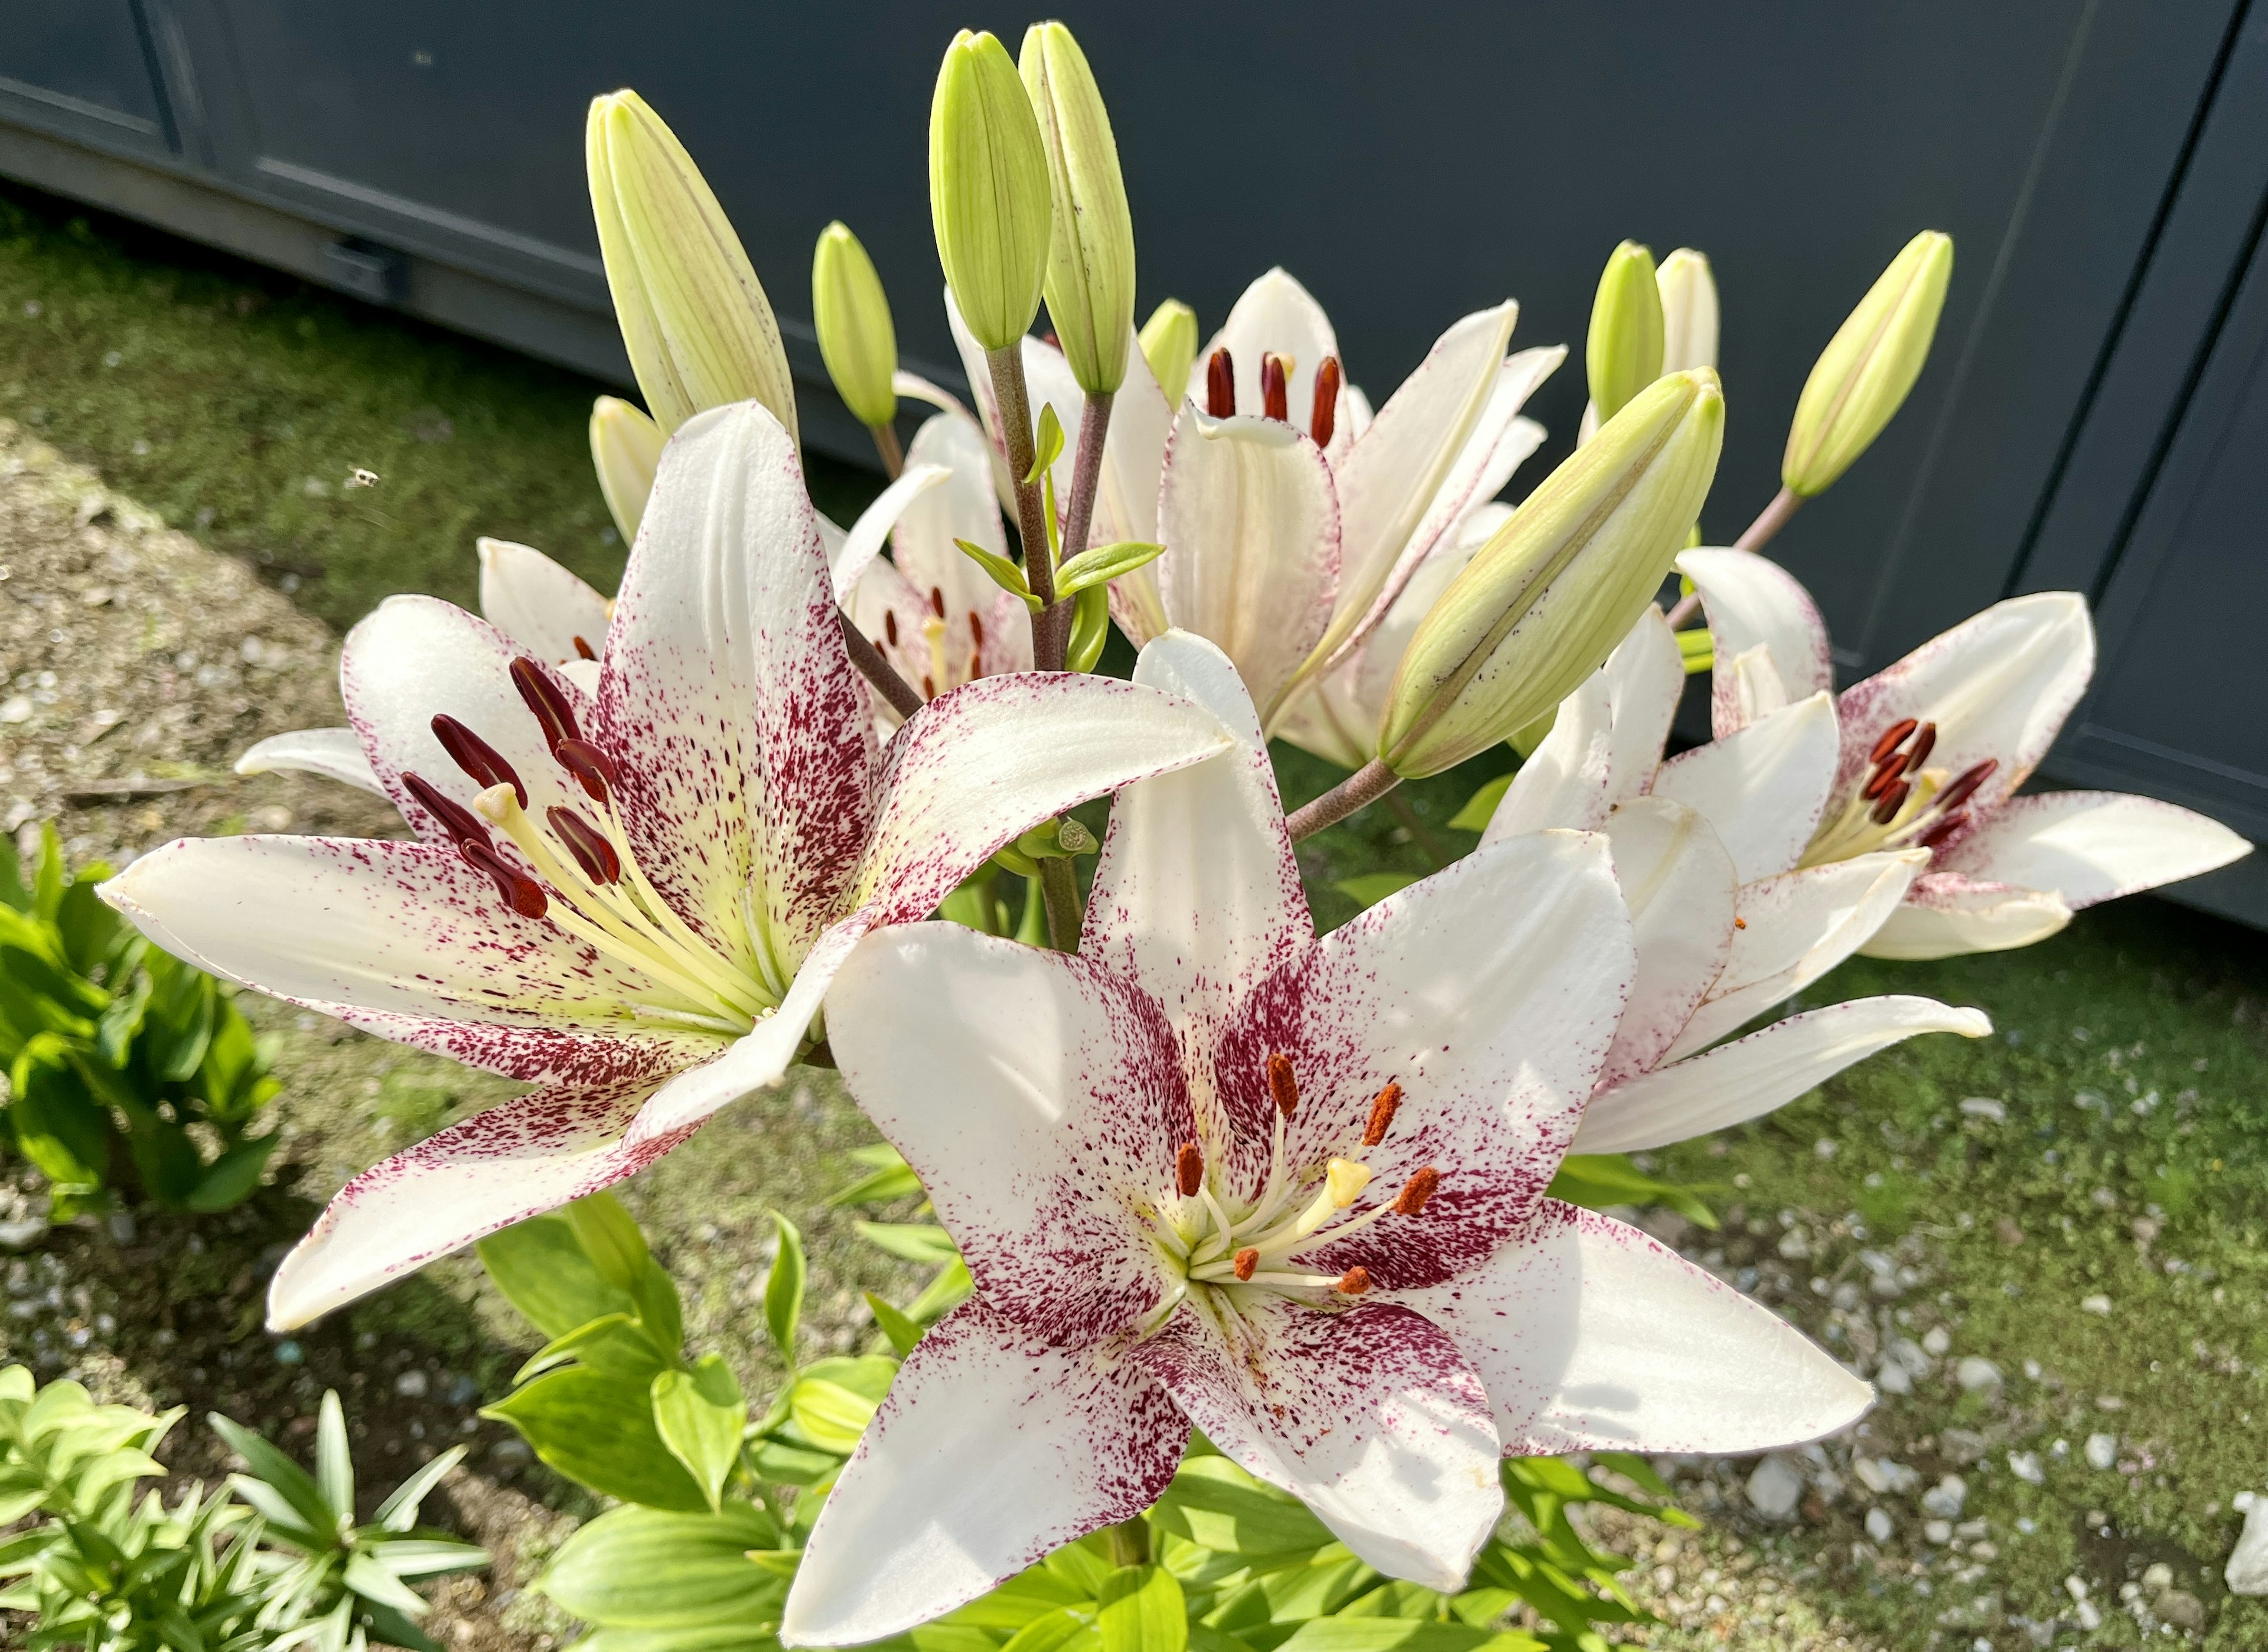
(2125, 1159)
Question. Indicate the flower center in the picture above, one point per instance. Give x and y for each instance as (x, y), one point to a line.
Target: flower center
(936, 664)
(1899, 803)
(1214, 1239)
(582, 874)
(1275, 391)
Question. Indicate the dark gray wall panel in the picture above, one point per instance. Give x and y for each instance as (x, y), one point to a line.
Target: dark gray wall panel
(84, 62)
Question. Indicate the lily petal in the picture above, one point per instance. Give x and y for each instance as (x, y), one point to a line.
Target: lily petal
(965, 508)
(1592, 1336)
(1797, 927)
(1753, 603)
(1764, 787)
(1490, 992)
(1371, 1417)
(1946, 914)
(1679, 884)
(1276, 315)
(1998, 685)
(728, 696)
(1614, 727)
(537, 604)
(1251, 527)
(405, 940)
(1196, 894)
(2091, 846)
(1752, 1076)
(333, 753)
(992, 1449)
(1017, 1082)
(519, 1159)
(864, 543)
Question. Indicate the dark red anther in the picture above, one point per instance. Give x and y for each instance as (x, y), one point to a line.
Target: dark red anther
(1943, 829)
(523, 894)
(584, 649)
(1354, 1281)
(1892, 800)
(548, 700)
(1381, 1115)
(928, 686)
(1918, 753)
(890, 625)
(1892, 737)
(1324, 419)
(1283, 1086)
(1883, 779)
(937, 601)
(975, 629)
(1248, 1260)
(587, 844)
(590, 765)
(479, 760)
(1189, 1170)
(462, 825)
(1965, 787)
(1416, 1191)
(1275, 389)
(1220, 385)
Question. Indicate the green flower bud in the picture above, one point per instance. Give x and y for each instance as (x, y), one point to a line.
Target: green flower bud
(1169, 344)
(852, 314)
(1689, 311)
(1623, 353)
(1090, 279)
(625, 451)
(987, 190)
(1544, 601)
(699, 329)
(1863, 375)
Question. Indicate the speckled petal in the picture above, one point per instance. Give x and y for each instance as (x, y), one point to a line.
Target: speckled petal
(1753, 603)
(864, 543)
(1371, 1417)
(1591, 1337)
(992, 1449)
(2091, 846)
(1679, 884)
(1764, 787)
(1946, 914)
(1042, 1100)
(1490, 993)
(517, 1159)
(404, 941)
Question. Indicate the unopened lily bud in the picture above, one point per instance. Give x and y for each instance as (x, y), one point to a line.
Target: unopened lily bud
(852, 316)
(1862, 377)
(699, 330)
(989, 196)
(1624, 352)
(1169, 344)
(1689, 311)
(1544, 601)
(1090, 279)
(625, 451)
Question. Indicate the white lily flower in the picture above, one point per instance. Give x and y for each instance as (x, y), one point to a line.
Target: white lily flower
(1707, 849)
(633, 899)
(1336, 508)
(1933, 749)
(1213, 1170)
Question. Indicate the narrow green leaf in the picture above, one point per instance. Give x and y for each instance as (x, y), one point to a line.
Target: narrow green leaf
(1480, 808)
(1060, 1629)
(1103, 564)
(902, 1332)
(1006, 574)
(829, 1415)
(941, 1296)
(879, 1187)
(1597, 1181)
(609, 1238)
(915, 1241)
(1047, 443)
(784, 1290)
(229, 1180)
(334, 1467)
(1140, 1609)
(399, 1511)
(701, 1415)
(272, 1468)
(1090, 627)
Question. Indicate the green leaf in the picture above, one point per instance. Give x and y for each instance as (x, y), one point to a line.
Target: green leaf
(373, 1583)
(829, 1415)
(879, 1187)
(1140, 1609)
(701, 1415)
(543, 1271)
(57, 1125)
(1213, 1503)
(915, 1241)
(783, 1289)
(942, 1295)
(1597, 1181)
(902, 1332)
(787, 1464)
(1371, 887)
(1047, 443)
(399, 1511)
(1090, 627)
(1697, 648)
(616, 1346)
(1480, 808)
(333, 1468)
(1061, 1629)
(1404, 1635)
(599, 1431)
(281, 1474)
(1006, 574)
(423, 1557)
(642, 1569)
(229, 1179)
(609, 1238)
(1103, 564)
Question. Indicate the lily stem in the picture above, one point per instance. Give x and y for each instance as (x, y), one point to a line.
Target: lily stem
(1769, 521)
(1365, 786)
(1130, 1542)
(1059, 889)
(904, 698)
(1049, 639)
(885, 444)
(1087, 471)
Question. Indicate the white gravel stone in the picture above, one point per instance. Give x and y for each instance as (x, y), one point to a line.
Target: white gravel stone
(1883, 1477)
(1945, 1498)
(2025, 1465)
(1775, 1487)
(2098, 1303)
(1938, 1531)
(1975, 1372)
(1879, 1526)
(1985, 1107)
(410, 1384)
(1892, 1378)
(1935, 1341)
(2101, 1450)
(2247, 1571)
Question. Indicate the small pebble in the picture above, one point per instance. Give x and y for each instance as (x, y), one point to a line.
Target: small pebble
(1879, 1527)
(410, 1384)
(2025, 1465)
(1977, 1373)
(1938, 1531)
(1775, 1487)
(1985, 1107)
(2247, 1571)
(290, 1353)
(2101, 1450)
(1936, 1341)
(1945, 1498)
(2096, 1304)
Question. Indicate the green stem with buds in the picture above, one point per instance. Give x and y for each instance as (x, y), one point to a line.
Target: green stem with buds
(1769, 521)
(1015, 403)
(1365, 786)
